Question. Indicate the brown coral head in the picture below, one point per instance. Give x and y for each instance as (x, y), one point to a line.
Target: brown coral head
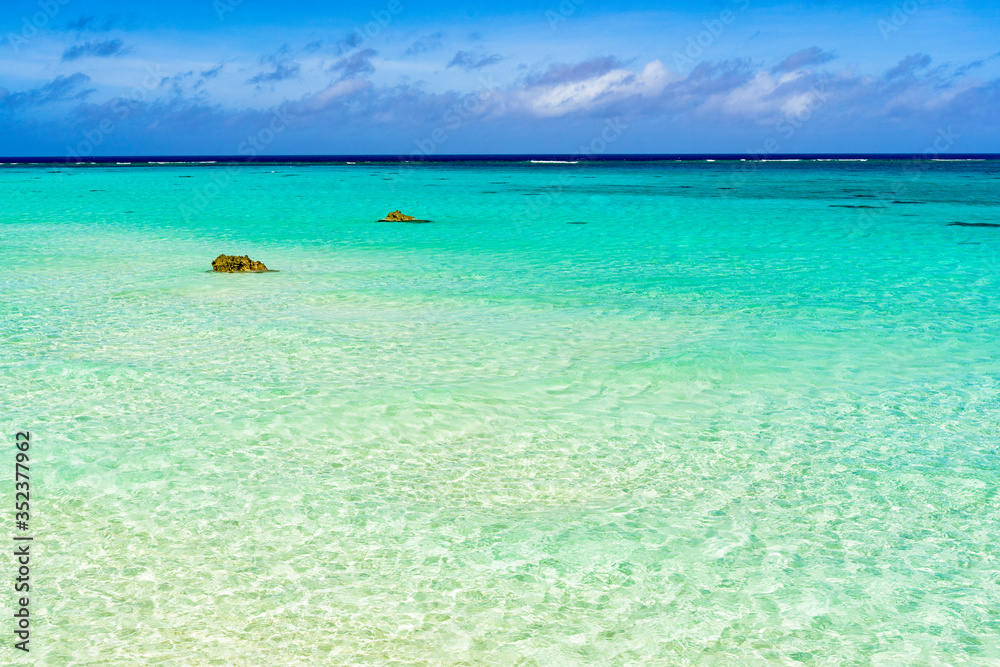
(236, 264)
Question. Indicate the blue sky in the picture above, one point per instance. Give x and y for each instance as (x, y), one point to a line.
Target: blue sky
(523, 76)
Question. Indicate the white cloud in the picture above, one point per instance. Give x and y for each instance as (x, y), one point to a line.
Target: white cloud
(323, 99)
(559, 99)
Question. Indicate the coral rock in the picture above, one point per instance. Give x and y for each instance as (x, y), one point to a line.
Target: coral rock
(399, 216)
(236, 264)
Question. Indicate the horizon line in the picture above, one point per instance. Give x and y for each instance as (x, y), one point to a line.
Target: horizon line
(486, 157)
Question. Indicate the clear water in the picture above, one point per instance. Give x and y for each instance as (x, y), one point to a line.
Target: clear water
(710, 426)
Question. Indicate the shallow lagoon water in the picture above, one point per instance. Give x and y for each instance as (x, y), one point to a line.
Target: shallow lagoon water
(728, 420)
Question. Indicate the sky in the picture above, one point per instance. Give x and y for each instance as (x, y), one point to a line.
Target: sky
(85, 78)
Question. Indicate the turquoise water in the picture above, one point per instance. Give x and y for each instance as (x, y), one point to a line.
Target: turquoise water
(741, 426)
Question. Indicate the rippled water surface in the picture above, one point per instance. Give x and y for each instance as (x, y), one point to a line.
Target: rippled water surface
(731, 419)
